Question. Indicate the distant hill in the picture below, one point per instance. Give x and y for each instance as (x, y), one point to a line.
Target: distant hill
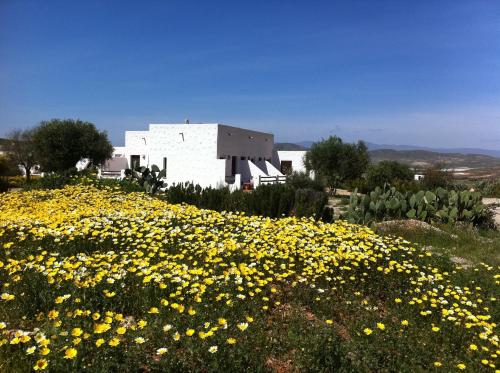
(288, 146)
(489, 152)
(373, 146)
(424, 158)
(306, 144)
(481, 162)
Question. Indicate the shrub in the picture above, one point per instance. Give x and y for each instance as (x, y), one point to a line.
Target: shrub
(489, 188)
(273, 200)
(19, 181)
(438, 205)
(435, 177)
(388, 172)
(309, 202)
(214, 199)
(49, 181)
(149, 179)
(270, 200)
(183, 193)
(301, 180)
(4, 185)
(8, 167)
(412, 186)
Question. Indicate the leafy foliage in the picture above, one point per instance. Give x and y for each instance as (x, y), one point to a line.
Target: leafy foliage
(301, 180)
(388, 172)
(97, 280)
(436, 177)
(20, 152)
(273, 200)
(439, 205)
(148, 179)
(60, 144)
(489, 188)
(4, 184)
(334, 161)
(7, 167)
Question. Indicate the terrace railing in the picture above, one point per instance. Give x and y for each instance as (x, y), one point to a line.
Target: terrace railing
(278, 179)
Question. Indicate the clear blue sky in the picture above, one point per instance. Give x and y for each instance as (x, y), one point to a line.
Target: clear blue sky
(397, 72)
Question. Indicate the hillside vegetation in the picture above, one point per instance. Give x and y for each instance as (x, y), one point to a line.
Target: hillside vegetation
(98, 280)
(423, 158)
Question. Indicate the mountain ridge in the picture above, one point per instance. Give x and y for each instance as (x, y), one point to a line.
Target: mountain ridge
(374, 146)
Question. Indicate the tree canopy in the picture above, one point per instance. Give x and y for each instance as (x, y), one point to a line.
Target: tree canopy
(388, 172)
(20, 151)
(60, 144)
(334, 161)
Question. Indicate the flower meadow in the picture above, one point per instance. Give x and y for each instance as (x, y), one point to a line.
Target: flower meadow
(96, 279)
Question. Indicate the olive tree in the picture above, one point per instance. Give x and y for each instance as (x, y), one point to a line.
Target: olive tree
(334, 161)
(60, 143)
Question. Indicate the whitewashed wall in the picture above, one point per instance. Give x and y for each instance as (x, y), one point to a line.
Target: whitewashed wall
(135, 144)
(295, 156)
(202, 153)
(190, 150)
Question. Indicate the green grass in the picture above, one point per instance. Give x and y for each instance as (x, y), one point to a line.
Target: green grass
(315, 320)
(461, 241)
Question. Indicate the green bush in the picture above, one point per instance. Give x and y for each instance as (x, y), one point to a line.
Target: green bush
(273, 200)
(388, 172)
(183, 193)
(435, 177)
(4, 185)
(439, 205)
(8, 167)
(49, 181)
(309, 202)
(301, 180)
(489, 188)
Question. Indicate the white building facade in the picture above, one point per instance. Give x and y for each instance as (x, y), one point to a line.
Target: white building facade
(208, 154)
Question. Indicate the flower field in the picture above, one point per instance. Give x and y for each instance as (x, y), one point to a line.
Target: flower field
(100, 280)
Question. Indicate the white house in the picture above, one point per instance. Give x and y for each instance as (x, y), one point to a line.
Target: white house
(208, 154)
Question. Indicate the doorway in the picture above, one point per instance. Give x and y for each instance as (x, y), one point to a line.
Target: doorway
(286, 167)
(135, 161)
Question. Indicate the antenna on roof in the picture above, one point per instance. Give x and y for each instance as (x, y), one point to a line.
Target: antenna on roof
(186, 121)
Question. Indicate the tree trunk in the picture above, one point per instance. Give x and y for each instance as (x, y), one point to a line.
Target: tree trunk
(28, 174)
